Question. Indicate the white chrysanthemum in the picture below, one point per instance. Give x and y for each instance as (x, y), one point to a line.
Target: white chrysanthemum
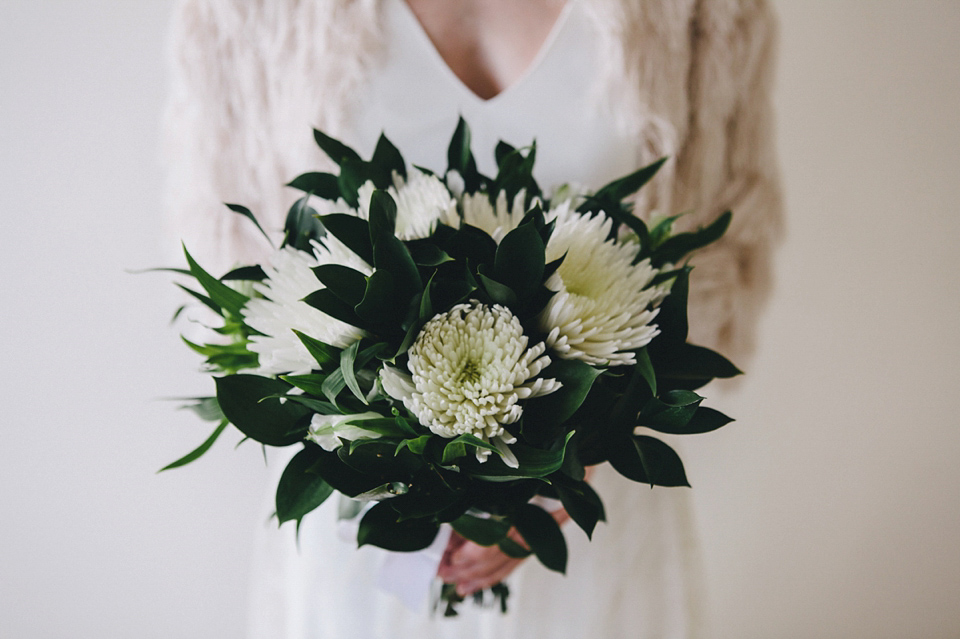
(289, 280)
(496, 221)
(604, 304)
(422, 200)
(328, 430)
(469, 367)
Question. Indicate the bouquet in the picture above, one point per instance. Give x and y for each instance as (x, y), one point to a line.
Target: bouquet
(446, 347)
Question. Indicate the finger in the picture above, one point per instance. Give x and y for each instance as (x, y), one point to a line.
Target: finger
(467, 588)
(475, 564)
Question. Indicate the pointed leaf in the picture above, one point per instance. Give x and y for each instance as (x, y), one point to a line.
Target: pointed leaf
(221, 294)
(381, 527)
(352, 231)
(199, 450)
(323, 185)
(245, 212)
(541, 532)
(327, 356)
(301, 489)
(482, 531)
(268, 421)
(347, 358)
(388, 157)
(346, 283)
(335, 150)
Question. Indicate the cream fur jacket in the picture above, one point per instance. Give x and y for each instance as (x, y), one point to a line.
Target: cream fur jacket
(690, 79)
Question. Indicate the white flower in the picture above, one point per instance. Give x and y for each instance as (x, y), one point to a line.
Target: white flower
(603, 304)
(421, 202)
(289, 280)
(469, 367)
(328, 430)
(496, 221)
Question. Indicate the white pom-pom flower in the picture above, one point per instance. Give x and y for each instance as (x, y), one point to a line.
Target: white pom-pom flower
(289, 280)
(422, 200)
(469, 368)
(604, 304)
(495, 220)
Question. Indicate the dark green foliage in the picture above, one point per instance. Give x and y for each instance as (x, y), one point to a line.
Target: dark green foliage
(420, 479)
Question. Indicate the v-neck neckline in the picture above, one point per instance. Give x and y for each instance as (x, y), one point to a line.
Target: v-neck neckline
(426, 43)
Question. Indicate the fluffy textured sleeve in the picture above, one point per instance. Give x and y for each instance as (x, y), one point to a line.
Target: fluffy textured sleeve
(215, 140)
(728, 162)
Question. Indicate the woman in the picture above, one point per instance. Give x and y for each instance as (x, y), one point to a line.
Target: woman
(604, 86)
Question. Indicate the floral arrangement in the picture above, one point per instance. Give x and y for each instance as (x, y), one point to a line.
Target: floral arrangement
(450, 346)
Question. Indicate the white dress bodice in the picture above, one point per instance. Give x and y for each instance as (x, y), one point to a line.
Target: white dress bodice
(638, 577)
(415, 99)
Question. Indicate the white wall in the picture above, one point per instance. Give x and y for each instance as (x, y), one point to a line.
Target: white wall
(829, 509)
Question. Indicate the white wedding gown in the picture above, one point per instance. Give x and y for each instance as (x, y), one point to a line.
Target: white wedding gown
(639, 577)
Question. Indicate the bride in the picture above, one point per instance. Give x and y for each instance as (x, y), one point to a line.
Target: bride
(603, 86)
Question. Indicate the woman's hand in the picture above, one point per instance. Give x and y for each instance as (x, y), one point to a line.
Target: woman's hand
(473, 567)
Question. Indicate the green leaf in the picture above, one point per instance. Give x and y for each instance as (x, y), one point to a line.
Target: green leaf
(388, 157)
(245, 212)
(582, 504)
(327, 356)
(346, 283)
(199, 450)
(457, 447)
(671, 412)
(206, 301)
(268, 421)
(645, 367)
(206, 408)
(301, 489)
(333, 385)
(352, 231)
(326, 301)
(482, 531)
(626, 186)
(315, 405)
(245, 273)
(390, 254)
(348, 357)
(341, 476)
(512, 549)
(703, 420)
(541, 532)
(534, 462)
(520, 260)
(380, 527)
(675, 248)
(380, 303)
(416, 445)
(302, 227)
(323, 185)
(460, 158)
(310, 383)
(672, 320)
(501, 152)
(222, 295)
(548, 412)
(383, 217)
(498, 293)
(427, 253)
(647, 460)
(695, 362)
(335, 150)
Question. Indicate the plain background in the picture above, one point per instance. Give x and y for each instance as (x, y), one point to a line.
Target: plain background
(831, 508)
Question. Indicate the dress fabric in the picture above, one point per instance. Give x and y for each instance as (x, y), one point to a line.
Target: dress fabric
(639, 577)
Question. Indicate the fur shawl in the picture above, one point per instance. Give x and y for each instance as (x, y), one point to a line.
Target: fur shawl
(691, 79)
